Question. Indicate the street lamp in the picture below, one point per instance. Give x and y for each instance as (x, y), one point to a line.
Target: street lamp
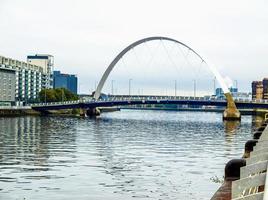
(194, 88)
(129, 86)
(214, 85)
(45, 95)
(175, 88)
(112, 87)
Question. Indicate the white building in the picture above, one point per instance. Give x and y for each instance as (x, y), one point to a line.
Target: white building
(29, 78)
(47, 63)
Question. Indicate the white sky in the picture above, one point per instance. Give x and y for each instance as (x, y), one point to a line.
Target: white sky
(85, 35)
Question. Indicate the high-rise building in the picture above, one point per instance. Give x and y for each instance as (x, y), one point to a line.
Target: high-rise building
(265, 88)
(68, 81)
(220, 94)
(7, 86)
(29, 78)
(257, 89)
(47, 63)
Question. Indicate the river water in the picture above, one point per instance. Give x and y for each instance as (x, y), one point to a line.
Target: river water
(122, 155)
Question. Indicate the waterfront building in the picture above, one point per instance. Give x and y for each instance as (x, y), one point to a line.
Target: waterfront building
(46, 61)
(68, 81)
(265, 88)
(257, 89)
(220, 94)
(8, 86)
(29, 79)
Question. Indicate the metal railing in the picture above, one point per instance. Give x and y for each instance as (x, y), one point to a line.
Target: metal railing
(147, 98)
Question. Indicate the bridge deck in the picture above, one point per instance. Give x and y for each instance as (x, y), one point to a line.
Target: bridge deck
(122, 101)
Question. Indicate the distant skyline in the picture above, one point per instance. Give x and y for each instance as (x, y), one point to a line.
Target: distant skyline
(84, 36)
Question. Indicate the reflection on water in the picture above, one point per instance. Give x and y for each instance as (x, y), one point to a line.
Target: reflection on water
(231, 126)
(122, 155)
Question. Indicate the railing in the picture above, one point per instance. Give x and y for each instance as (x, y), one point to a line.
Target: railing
(147, 98)
(254, 177)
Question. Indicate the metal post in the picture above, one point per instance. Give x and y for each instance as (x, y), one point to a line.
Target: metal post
(214, 85)
(175, 88)
(112, 87)
(129, 86)
(45, 95)
(194, 88)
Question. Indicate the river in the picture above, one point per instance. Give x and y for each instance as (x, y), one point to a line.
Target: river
(123, 155)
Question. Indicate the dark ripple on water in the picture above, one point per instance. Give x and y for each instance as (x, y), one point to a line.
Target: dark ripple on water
(122, 155)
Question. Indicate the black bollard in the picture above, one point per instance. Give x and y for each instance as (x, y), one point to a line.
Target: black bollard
(232, 169)
(264, 124)
(249, 147)
(232, 173)
(261, 128)
(257, 135)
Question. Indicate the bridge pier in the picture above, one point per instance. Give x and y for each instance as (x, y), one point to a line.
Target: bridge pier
(93, 112)
(231, 112)
(83, 112)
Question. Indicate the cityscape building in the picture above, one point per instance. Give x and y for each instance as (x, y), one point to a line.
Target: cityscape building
(220, 94)
(260, 89)
(265, 88)
(45, 61)
(68, 81)
(8, 86)
(29, 79)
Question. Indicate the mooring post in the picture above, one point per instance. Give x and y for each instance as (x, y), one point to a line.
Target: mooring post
(232, 173)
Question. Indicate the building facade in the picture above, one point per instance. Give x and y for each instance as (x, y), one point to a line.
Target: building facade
(257, 90)
(265, 88)
(68, 81)
(8, 86)
(220, 94)
(29, 79)
(45, 61)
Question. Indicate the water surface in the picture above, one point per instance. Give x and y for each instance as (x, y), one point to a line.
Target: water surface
(129, 154)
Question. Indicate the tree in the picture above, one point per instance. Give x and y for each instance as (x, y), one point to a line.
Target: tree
(57, 95)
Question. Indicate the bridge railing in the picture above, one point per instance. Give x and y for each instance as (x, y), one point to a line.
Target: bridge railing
(146, 98)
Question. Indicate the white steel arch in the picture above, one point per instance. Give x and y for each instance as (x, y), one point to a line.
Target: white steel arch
(134, 44)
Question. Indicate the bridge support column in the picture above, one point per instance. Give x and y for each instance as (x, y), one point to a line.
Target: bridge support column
(231, 112)
(93, 112)
(83, 112)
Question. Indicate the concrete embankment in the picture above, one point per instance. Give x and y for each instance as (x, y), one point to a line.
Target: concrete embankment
(235, 170)
(26, 110)
(17, 111)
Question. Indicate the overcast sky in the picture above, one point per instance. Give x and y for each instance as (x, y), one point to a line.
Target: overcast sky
(85, 35)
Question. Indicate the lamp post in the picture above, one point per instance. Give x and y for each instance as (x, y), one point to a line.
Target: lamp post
(112, 87)
(129, 86)
(214, 85)
(175, 88)
(194, 88)
(45, 95)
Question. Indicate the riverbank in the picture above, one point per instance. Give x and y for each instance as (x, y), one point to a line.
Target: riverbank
(16, 111)
(258, 112)
(27, 110)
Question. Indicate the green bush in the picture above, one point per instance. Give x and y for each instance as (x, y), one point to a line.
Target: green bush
(57, 95)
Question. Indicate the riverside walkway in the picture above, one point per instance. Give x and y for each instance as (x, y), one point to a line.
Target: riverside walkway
(253, 176)
(245, 178)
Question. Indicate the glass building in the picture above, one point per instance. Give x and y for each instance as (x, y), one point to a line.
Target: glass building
(68, 81)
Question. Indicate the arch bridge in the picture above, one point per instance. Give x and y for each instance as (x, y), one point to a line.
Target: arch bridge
(230, 112)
